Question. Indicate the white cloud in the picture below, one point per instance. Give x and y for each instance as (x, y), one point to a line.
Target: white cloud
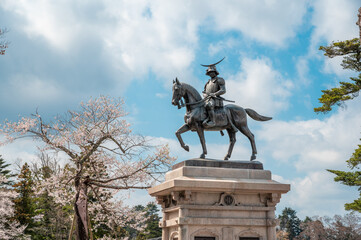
(260, 87)
(314, 144)
(33, 88)
(162, 36)
(28, 92)
(269, 22)
(309, 148)
(303, 70)
(215, 48)
(161, 95)
(162, 40)
(333, 21)
(57, 23)
(316, 194)
(333, 66)
(23, 150)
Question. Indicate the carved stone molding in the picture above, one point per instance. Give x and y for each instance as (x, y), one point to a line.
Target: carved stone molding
(161, 201)
(175, 198)
(206, 232)
(165, 201)
(272, 222)
(182, 197)
(162, 223)
(249, 233)
(187, 195)
(227, 199)
(174, 235)
(270, 199)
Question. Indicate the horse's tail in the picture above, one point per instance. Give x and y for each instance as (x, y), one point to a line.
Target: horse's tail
(254, 115)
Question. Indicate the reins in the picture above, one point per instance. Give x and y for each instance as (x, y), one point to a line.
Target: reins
(182, 104)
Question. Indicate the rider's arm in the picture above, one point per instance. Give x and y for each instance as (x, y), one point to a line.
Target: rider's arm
(204, 91)
(222, 87)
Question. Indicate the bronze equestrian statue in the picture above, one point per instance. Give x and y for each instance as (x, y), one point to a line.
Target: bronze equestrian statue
(212, 91)
(208, 114)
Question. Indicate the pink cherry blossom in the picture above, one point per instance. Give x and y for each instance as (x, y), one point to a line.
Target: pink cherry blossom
(104, 158)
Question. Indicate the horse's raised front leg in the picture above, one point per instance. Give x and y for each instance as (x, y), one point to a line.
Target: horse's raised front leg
(178, 133)
(200, 132)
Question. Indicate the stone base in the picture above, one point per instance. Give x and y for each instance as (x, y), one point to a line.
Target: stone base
(218, 200)
(198, 162)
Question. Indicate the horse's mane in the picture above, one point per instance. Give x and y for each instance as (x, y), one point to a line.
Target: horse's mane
(192, 91)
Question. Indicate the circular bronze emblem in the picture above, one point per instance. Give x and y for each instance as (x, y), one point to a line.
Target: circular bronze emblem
(228, 200)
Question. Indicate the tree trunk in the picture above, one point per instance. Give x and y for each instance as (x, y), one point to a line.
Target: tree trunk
(81, 209)
(70, 237)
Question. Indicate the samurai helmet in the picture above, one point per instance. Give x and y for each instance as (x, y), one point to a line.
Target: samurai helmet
(212, 67)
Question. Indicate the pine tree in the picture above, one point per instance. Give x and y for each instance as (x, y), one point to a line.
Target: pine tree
(290, 223)
(3, 167)
(24, 203)
(53, 220)
(5, 172)
(152, 230)
(350, 50)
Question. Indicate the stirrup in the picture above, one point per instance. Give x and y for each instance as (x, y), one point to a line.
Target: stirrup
(208, 124)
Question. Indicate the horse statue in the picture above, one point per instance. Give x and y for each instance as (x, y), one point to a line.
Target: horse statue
(231, 118)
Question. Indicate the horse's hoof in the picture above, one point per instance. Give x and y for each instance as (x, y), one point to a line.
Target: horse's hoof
(253, 157)
(186, 147)
(202, 156)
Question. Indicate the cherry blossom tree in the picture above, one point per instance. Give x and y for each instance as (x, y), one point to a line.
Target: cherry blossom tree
(9, 229)
(104, 158)
(337, 227)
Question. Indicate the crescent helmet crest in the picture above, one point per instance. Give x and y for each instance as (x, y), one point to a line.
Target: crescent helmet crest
(212, 67)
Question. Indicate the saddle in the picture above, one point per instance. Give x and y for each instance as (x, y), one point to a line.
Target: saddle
(220, 117)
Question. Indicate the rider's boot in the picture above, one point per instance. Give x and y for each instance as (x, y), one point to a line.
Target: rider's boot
(211, 122)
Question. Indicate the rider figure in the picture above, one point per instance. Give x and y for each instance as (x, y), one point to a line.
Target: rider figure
(212, 91)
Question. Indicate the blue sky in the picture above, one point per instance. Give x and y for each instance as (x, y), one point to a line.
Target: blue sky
(66, 51)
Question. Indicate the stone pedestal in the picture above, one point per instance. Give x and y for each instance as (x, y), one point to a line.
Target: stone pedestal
(218, 200)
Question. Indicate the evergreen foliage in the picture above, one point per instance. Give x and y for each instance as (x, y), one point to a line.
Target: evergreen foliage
(3, 167)
(5, 172)
(24, 203)
(290, 223)
(152, 229)
(350, 50)
(53, 220)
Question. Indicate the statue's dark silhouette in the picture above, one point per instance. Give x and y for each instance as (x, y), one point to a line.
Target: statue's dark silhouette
(208, 114)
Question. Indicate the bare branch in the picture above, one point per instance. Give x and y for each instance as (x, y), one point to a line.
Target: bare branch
(119, 187)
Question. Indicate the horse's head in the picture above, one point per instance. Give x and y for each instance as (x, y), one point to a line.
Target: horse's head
(178, 93)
